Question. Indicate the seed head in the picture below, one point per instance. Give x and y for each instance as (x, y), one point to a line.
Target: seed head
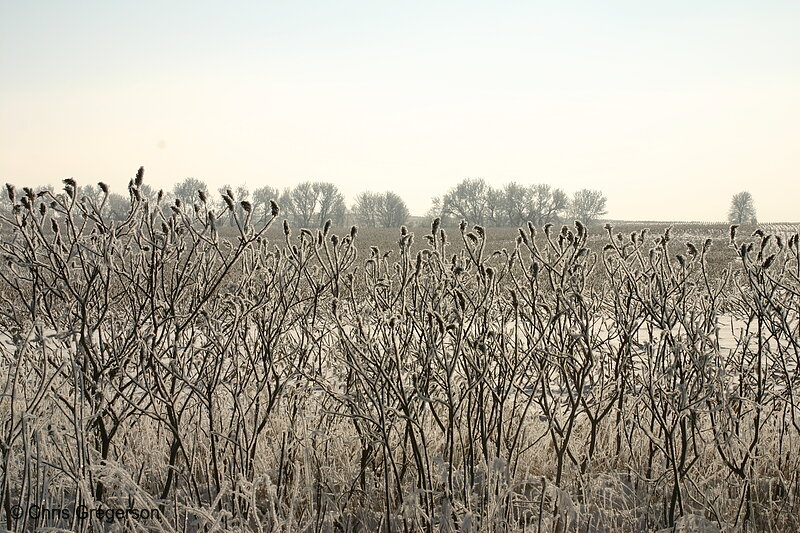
(580, 227)
(435, 225)
(11, 192)
(274, 208)
(139, 177)
(202, 194)
(286, 230)
(103, 187)
(247, 206)
(327, 227)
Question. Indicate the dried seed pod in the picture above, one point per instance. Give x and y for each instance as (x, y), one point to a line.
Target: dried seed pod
(12, 196)
(247, 206)
(103, 187)
(202, 194)
(580, 227)
(139, 177)
(326, 228)
(286, 228)
(274, 208)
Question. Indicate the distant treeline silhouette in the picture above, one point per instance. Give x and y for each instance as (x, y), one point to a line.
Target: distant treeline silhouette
(312, 203)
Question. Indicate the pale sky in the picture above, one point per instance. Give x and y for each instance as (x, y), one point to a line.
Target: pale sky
(668, 107)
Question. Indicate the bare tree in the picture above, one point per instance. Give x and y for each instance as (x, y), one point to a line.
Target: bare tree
(385, 210)
(547, 204)
(516, 203)
(187, 189)
(261, 199)
(742, 210)
(467, 201)
(366, 208)
(495, 212)
(588, 205)
(312, 203)
(331, 203)
(395, 210)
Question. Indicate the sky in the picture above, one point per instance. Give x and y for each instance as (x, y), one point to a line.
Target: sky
(669, 108)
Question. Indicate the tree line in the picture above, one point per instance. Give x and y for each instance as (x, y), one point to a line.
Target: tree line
(312, 203)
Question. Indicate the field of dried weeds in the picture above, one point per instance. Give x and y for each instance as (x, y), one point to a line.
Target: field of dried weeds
(546, 379)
